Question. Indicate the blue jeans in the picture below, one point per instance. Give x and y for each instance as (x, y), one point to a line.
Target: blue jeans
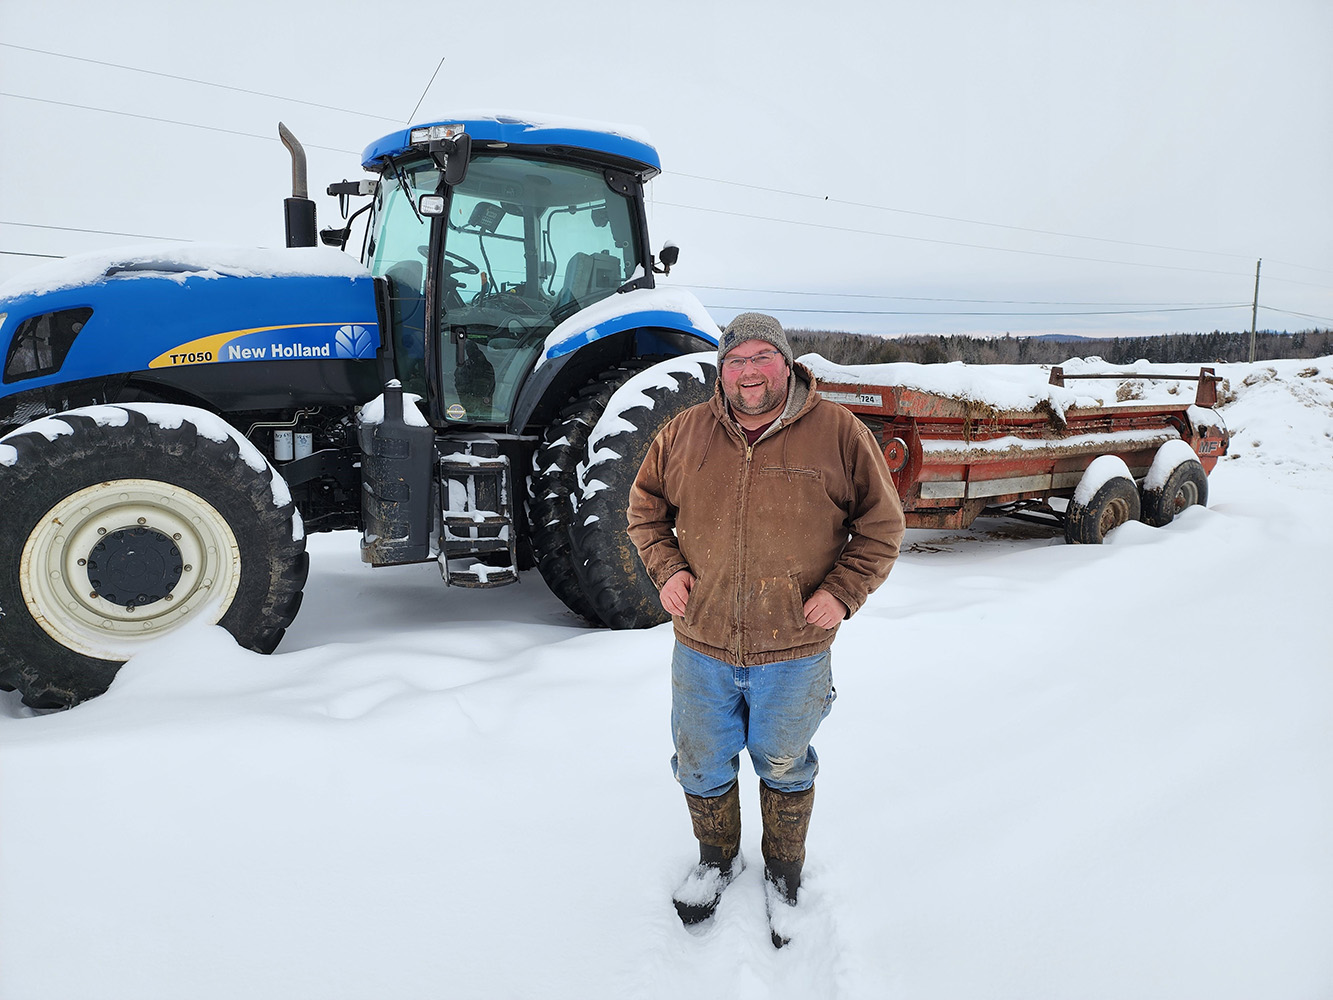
(718, 709)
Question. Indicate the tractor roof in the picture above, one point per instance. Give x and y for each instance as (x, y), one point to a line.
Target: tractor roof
(507, 131)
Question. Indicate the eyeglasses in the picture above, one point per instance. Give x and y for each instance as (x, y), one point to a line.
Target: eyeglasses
(761, 360)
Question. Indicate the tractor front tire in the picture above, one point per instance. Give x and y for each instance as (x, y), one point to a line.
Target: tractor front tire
(554, 478)
(610, 572)
(122, 524)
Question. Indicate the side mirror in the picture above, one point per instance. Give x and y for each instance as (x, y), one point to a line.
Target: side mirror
(452, 156)
(667, 258)
(332, 237)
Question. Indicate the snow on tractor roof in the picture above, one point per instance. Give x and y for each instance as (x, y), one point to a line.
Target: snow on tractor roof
(521, 129)
(179, 261)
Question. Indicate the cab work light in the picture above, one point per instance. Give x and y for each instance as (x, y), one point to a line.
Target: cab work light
(433, 132)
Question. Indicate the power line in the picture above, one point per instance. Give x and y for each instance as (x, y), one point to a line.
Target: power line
(888, 312)
(1289, 312)
(699, 177)
(1303, 267)
(1149, 308)
(697, 208)
(171, 121)
(781, 309)
(948, 243)
(187, 79)
(20, 253)
(925, 298)
(999, 225)
(952, 218)
(97, 232)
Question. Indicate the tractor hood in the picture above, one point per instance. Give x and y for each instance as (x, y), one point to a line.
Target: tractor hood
(179, 261)
(175, 307)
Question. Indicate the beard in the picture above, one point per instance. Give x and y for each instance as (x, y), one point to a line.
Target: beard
(773, 396)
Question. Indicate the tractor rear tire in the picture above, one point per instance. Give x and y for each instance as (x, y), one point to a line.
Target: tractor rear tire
(122, 524)
(610, 571)
(554, 477)
(1114, 503)
(1187, 485)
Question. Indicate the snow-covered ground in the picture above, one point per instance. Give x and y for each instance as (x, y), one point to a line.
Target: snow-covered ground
(1052, 772)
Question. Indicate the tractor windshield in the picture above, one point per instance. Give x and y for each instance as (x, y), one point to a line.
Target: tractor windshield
(528, 243)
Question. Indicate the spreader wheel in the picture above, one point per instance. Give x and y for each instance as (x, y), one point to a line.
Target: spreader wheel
(1185, 486)
(1115, 501)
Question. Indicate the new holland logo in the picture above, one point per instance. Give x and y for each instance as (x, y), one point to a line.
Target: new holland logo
(353, 342)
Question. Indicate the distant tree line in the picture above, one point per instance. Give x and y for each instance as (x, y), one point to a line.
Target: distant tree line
(1167, 348)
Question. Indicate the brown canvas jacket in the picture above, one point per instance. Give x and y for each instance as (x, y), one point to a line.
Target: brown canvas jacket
(811, 504)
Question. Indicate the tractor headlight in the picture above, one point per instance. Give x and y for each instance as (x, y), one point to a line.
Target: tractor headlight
(430, 133)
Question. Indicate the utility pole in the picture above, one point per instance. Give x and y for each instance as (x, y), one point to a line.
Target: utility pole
(1254, 312)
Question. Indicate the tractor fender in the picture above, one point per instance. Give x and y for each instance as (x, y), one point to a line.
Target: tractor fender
(669, 308)
(663, 322)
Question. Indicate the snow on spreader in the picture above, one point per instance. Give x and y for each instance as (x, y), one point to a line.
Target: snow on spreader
(963, 440)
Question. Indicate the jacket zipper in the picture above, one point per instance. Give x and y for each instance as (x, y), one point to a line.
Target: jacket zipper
(740, 553)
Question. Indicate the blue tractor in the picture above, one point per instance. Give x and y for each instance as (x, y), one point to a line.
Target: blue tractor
(175, 419)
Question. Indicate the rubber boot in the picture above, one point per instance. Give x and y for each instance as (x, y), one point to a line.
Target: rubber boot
(717, 827)
(786, 818)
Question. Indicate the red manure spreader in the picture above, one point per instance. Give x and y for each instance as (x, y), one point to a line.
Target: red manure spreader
(963, 440)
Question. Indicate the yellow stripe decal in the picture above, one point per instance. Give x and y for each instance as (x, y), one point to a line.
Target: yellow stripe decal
(208, 349)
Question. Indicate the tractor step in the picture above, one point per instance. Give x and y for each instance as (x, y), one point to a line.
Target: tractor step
(478, 544)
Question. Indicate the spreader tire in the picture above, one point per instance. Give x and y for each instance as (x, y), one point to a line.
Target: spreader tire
(122, 523)
(554, 476)
(1114, 503)
(1187, 485)
(609, 569)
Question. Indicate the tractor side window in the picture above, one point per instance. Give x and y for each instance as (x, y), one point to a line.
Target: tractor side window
(528, 243)
(589, 262)
(41, 343)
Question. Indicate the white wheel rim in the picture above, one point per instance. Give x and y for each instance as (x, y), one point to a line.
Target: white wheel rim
(54, 576)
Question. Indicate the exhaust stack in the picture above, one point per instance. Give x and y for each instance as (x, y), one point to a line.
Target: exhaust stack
(298, 210)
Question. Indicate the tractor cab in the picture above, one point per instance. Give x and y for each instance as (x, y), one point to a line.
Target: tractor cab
(485, 259)
(499, 245)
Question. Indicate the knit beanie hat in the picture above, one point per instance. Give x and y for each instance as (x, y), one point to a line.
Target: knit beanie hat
(753, 326)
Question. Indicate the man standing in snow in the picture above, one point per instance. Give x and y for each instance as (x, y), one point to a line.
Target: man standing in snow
(764, 516)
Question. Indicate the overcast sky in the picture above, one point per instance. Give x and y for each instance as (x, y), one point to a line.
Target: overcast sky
(884, 167)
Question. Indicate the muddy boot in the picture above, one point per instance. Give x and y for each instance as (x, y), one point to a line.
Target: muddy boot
(786, 820)
(717, 827)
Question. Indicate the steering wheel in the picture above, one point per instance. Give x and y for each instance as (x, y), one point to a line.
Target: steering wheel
(465, 266)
